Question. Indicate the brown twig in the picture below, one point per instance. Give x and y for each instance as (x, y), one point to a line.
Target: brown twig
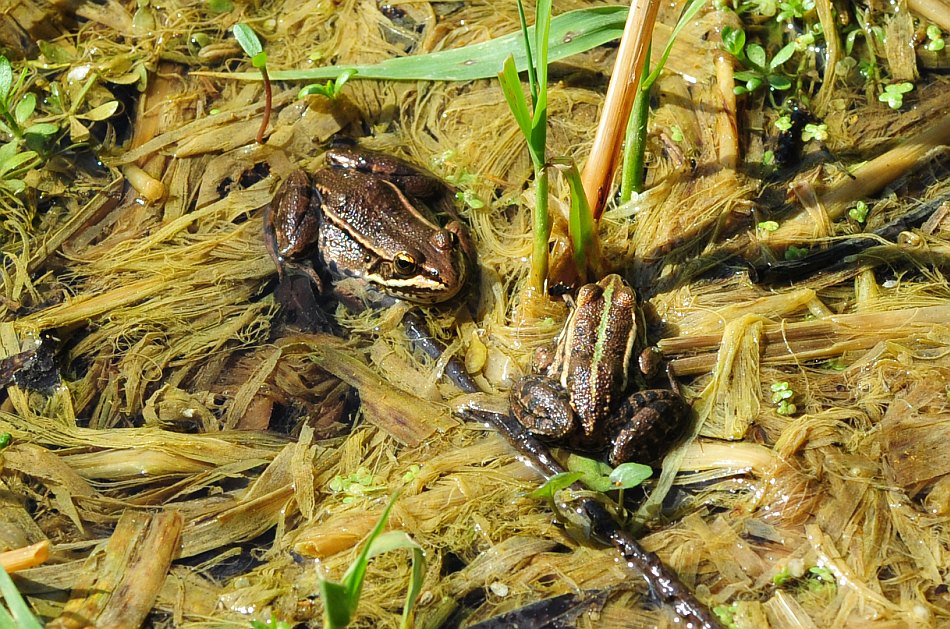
(268, 105)
(621, 91)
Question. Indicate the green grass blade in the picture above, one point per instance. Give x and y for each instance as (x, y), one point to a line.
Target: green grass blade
(532, 76)
(338, 608)
(353, 579)
(514, 95)
(580, 223)
(22, 615)
(570, 33)
(692, 9)
(415, 587)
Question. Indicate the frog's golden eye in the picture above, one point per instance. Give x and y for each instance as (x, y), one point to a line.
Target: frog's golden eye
(453, 238)
(404, 264)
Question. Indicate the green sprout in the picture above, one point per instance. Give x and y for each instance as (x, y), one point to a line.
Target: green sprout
(634, 153)
(411, 473)
(794, 9)
(330, 89)
(251, 45)
(795, 253)
(341, 598)
(596, 475)
(782, 396)
(766, 227)
(357, 485)
(16, 111)
(532, 119)
(820, 579)
(859, 213)
(935, 41)
(760, 71)
(726, 615)
(893, 94)
(813, 131)
(5, 439)
(784, 123)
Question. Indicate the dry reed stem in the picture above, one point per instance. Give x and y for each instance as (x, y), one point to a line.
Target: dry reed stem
(121, 582)
(618, 102)
(937, 11)
(811, 340)
(26, 557)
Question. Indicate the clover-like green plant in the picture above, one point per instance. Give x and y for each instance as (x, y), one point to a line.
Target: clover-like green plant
(760, 70)
(935, 42)
(893, 94)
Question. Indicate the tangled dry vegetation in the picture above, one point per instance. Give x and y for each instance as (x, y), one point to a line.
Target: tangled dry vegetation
(181, 441)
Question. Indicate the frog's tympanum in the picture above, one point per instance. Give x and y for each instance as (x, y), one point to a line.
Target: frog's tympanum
(581, 400)
(366, 217)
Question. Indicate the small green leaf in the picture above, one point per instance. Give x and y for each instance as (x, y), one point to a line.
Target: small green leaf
(337, 606)
(5, 439)
(101, 112)
(756, 55)
(6, 78)
(44, 129)
(783, 55)
(556, 483)
(25, 108)
(859, 213)
(247, 39)
(13, 162)
(629, 475)
(595, 473)
(259, 60)
(779, 82)
(220, 6)
(733, 40)
(768, 226)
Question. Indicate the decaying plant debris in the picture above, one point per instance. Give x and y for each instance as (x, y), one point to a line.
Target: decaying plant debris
(169, 430)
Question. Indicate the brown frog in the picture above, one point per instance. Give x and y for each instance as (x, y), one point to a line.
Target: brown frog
(580, 400)
(366, 217)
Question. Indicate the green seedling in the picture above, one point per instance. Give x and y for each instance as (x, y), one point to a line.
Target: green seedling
(251, 45)
(795, 253)
(859, 213)
(16, 613)
(341, 599)
(358, 485)
(760, 71)
(935, 41)
(580, 224)
(532, 119)
(794, 10)
(766, 227)
(726, 615)
(599, 476)
(782, 396)
(893, 94)
(817, 132)
(330, 89)
(16, 110)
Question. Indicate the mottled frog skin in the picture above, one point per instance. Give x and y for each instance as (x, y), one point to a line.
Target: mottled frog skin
(581, 401)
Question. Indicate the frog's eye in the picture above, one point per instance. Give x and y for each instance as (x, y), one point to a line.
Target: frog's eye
(404, 264)
(453, 238)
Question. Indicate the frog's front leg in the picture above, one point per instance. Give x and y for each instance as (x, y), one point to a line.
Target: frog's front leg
(542, 406)
(292, 225)
(646, 426)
